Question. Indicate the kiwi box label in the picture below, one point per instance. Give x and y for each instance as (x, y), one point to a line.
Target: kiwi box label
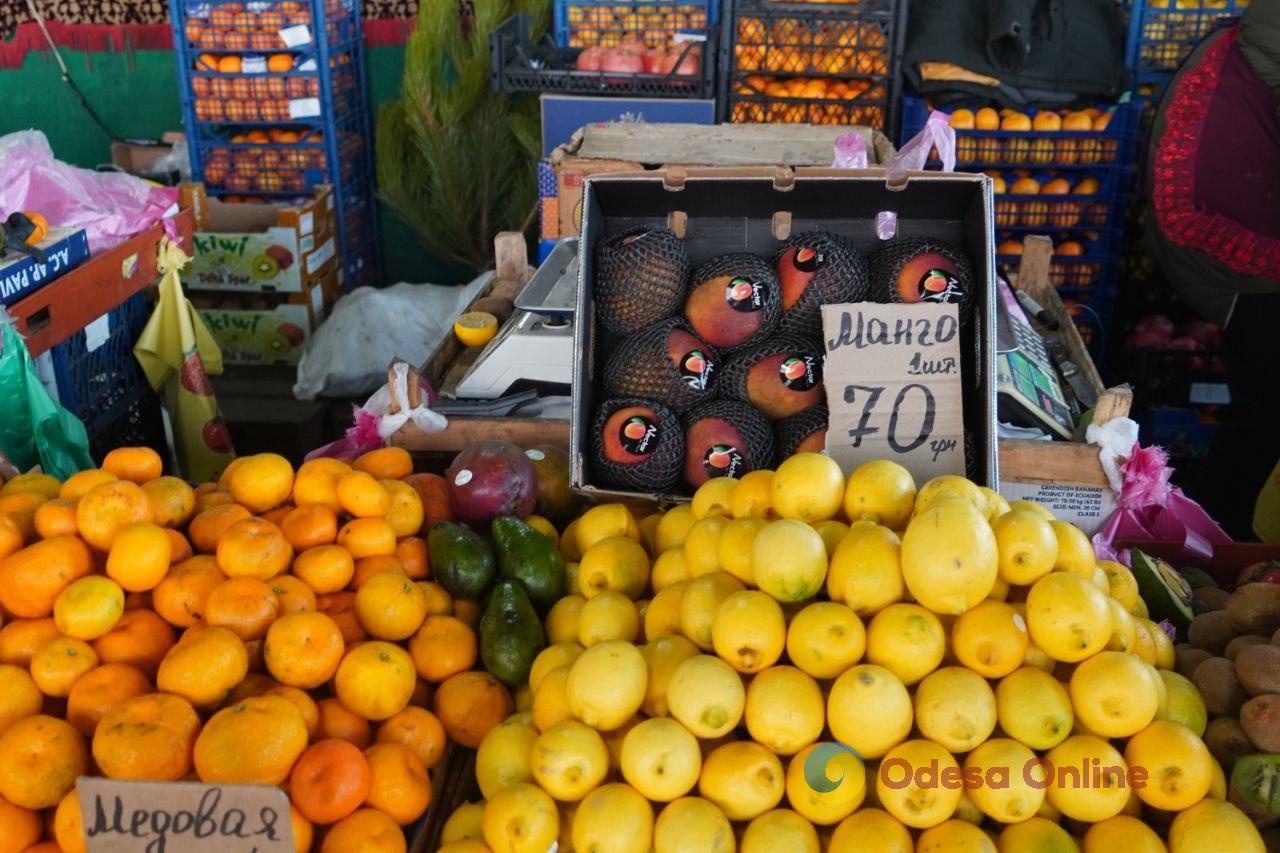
(893, 383)
(155, 817)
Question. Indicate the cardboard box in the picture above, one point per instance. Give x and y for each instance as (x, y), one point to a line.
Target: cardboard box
(734, 210)
(262, 248)
(267, 329)
(139, 157)
(64, 248)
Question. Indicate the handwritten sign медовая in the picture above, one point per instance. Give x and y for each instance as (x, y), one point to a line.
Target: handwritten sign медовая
(892, 374)
(167, 817)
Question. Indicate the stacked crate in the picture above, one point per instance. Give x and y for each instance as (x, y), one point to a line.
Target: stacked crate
(1064, 176)
(812, 63)
(273, 95)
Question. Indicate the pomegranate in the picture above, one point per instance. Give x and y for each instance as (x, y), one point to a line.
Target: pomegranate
(491, 478)
(589, 59)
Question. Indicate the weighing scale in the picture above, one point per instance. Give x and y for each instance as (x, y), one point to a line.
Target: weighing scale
(535, 345)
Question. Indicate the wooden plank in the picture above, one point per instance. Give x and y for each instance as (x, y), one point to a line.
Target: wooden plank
(722, 145)
(1113, 403)
(1050, 461)
(463, 431)
(1033, 279)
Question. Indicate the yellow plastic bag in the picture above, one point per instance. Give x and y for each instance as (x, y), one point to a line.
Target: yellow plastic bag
(1266, 510)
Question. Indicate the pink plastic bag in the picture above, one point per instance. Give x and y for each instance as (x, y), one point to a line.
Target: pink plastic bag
(911, 157)
(111, 207)
(1150, 508)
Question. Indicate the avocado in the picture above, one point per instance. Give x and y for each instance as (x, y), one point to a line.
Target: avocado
(460, 559)
(525, 555)
(1167, 593)
(510, 634)
(1198, 578)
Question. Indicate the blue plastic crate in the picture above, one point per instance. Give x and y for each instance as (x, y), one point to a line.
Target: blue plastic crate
(105, 386)
(1163, 32)
(588, 23)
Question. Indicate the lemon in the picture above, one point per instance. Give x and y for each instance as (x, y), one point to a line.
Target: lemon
(475, 328)
(954, 836)
(701, 545)
(869, 709)
(1184, 704)
(1123, 636)
(1112, 695)
(607, 684)
(660, 759)
(749, 631)
(614, 818)
(569, 759)
(832, 532)
(673, 527)
(955, 708)
(562, 619)
(465, 822)
(551, 699)
(617, 563)
(1164, 654)
(837, 797)
(662, 617)
(613, 742)
(949, 556)
(523, 699)
(608, 616)
(967, 810)
(1139, 608)
(826, 638)
(669, 569)
(601, 522)
(754, 496)
(663, 655)
(1214, 825)
(780, 829)
(789, 560)
(871, 829)
(1000, 591)
(1031, 506)
(880, 491)
(743, 779)
(1075, 551)
(1034, 708)
(990, 639)
(807, 487)
(520, 819)
(649, 531)
(701, 601)
(996, 505)
(571, 579)
(1036, 657)
(947, 486)
(1122, 833)
(1036, 835)
(907, 640)
(866, 569)
(568, 810)
(1144, 641)
(1089, 781)
(1068, 617)
(552, 657)
(1217, 788)
(706, 695)
(714, 497)
(733, 548)
(1004, 793)
(692, 823)
(907, 793)
(1123, 586)
(505, 755)
(1178, 765)
(1027, 545)
(784, 710)
(569, 549)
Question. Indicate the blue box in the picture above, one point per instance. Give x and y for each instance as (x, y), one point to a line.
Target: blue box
(66, 249)
(563, 115)
(1185, 433)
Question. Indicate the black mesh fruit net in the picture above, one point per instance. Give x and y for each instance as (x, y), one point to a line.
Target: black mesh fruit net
(790, 432)
(661, 440)
(911, 269)
(643, 366)
(641, 276)
(808, 355)
(751, 290)
(726, 459)
(815, 269)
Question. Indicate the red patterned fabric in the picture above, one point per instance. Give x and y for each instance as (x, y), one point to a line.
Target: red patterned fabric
(1183, 218)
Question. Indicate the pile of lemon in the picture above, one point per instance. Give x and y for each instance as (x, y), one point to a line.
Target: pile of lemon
(808, 663)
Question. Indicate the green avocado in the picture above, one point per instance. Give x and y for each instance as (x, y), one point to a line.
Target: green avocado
(460, 560)
(1197, 578)
(1167, 593)
(525, 555)
(510, 634)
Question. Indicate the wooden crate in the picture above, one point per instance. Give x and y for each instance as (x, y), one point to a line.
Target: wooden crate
(1066, 475)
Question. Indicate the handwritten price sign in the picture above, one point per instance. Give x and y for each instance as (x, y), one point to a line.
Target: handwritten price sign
(892, 375)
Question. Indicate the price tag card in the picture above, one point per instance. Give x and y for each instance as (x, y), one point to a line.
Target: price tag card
(155, 817)
(892, 375)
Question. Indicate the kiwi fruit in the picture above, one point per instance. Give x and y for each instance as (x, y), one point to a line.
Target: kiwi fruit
(641, 277)
(1212, 597)
(1211, 632)
(1216, 680)
(1260, 719)
(815, 269)
(733, 301)
(1187, 657)
(666, 363)
(1237, 644)
(1255, 608)
(1258, 668)
(1227, 741)
(637, 444)
(1255, 785)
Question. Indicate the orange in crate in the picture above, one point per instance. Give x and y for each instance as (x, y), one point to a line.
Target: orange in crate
(262, 40)
(235, 41)
(193, 30)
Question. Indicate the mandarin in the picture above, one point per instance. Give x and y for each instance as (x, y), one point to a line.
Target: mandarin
(310, 526)
(204, 665)
(404, 513)
(385, 463)
(19, 696)
(22, 638)
(328, 568)
(398, 782)
(32, 579)
(140, 639)
(173, 502)
(107, 509)
(262, 481)
(80, 483)
(443, 647)
(55, 518)
(208, 526)
(411, 551)
(40, 759)
(140, 556)
(303, 649)
(418, 729)
(149, 736)
(293, 594)
(253, 548)
(329, 781)
(317, 483)
(367, 537)
(57, 665)
(375, 679)
(135, 464)
(366, 830)
(101, 689)
(469, 704)
(336, 721)
(181, 597)
(362, 496)
(245, 605)
(255, 741)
